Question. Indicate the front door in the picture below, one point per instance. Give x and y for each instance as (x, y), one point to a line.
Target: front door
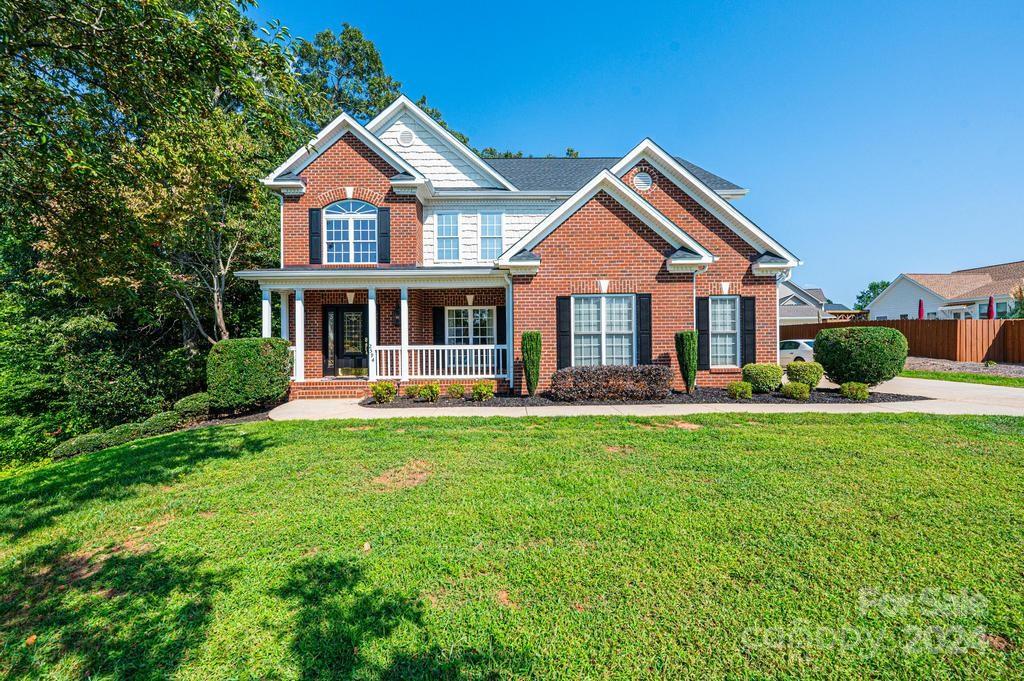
(345, 340)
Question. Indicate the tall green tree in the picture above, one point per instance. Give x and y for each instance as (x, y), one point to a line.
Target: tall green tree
(865, 297)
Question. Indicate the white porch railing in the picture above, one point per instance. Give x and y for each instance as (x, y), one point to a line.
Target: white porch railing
(444, 361)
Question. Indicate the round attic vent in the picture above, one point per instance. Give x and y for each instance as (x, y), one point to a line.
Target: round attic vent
(642, 181)
(406, 138)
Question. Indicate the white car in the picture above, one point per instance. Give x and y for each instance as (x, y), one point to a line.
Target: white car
(796, 351)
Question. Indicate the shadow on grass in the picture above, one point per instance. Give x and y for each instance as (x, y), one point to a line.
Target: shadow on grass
(120, 612)
(340, 618)
(40, 497)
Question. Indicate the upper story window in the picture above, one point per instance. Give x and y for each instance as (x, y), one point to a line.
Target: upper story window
(350, 232)
(447, 236)
(725, 331)
(491, 244)
(603, 330)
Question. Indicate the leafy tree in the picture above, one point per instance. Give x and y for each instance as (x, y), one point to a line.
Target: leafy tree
(571, 153)
(865, 297)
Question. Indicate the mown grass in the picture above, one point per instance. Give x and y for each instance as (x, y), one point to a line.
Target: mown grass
(965, 377)
(751, 546)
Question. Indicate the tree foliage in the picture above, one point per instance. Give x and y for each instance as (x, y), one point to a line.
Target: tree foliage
(865, 297)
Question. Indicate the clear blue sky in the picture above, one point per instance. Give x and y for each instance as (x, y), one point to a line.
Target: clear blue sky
(874, 138)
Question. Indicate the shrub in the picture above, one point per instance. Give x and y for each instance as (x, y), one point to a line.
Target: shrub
(158, 424)
(854, 391)
(412, 391)
(243, 373)
(456, 391)
(990, 363)
(531, 360)
(764, 378)
(740, 390)
(686, 354)
(864, 354)
(126, 432)
(645, 382)
(83, 444)
(796, 391)
(384, 392)
(483, 391)
(808, 373)
(195, 407)
(430, 391)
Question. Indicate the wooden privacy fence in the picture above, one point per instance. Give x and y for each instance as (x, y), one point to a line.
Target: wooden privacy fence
(961, 340)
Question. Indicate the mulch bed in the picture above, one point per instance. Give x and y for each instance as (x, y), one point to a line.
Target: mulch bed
(700, 396)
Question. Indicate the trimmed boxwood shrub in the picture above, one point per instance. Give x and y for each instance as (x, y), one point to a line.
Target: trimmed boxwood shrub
(384, 392)
(412, 391)
(645, 382)
(854, 391)
(796, 391)
(808, 373)
(195, 407)
(431, 392)
(456, 391)
(686, 355)
(531, 360)
(764, 378)
(740, 390)
(158, 424)
(483, 391)
(126, 432)
(242, 373)
(863, 354)
(83, 444)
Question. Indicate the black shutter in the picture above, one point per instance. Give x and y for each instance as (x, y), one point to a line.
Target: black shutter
(315, 237)
(563, 326)
(643, 330)
(384, 235)
(439, 326)
(703, 334)
(500, 332)
(748, 326)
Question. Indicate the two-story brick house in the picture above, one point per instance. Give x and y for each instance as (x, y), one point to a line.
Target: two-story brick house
(406, 257)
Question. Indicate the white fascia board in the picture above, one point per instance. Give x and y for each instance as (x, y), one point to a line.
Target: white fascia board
(708, 198)
(403, 103)
(326, 138)
(644, 211)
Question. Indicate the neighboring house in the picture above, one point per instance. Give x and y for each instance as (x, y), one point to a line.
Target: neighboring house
(798, 305)
(405, 256)
(962, 294)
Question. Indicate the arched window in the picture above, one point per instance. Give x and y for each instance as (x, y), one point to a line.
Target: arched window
(350, 232)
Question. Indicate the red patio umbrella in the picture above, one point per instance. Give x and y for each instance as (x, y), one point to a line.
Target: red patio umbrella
(991, 307)
(920, 308)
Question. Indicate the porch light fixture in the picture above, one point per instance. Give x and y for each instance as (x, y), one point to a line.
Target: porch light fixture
(396, 316)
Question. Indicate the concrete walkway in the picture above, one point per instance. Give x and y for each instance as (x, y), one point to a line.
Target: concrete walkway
(949, 398)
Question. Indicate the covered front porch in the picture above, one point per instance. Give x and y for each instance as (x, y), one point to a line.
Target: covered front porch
(405, 326)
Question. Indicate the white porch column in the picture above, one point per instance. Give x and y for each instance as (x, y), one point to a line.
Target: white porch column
(371, 320)
(404, 306)
(300, 336)
(266, 313)
(509, 336)
(285, 297)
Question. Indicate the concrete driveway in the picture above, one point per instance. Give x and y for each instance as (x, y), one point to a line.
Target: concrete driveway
(948, 398)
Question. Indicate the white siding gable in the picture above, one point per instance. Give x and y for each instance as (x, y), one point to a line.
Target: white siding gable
(518, 219)
(443, 165)
(901, 298)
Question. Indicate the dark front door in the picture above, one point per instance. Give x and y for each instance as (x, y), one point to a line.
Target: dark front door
(345, 340)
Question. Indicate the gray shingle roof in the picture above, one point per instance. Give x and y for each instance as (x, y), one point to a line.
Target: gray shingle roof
(569, 174)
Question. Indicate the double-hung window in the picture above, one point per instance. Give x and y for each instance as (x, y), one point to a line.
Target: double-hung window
(603, 330)
(447, 236)
(725, 331)
(470, 326)
(350, 232)
(490, 236)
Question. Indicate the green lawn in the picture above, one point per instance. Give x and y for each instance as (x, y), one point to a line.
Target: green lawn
(964, 377)
(752, 546)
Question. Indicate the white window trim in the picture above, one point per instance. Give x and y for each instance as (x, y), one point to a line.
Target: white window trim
(470, 308)
(438, 237)
(739, 333)
(351, 234)
(604, 322)
(480, 234)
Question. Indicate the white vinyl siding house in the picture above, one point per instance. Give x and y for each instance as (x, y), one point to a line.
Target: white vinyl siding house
(516, 219)
(902, 298)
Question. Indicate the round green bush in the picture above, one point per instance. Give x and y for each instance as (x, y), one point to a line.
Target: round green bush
(195, 407)
(126, 432)
(808, 373)
(740, 390)
(430, 392)
(483, 391)
(854, 391)
(863, 354)
(456, 391)
(764, 378)
(412, 390)
(158, 424)
(796, 391)
(243, 373)
(384, 392)
(83, 444)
